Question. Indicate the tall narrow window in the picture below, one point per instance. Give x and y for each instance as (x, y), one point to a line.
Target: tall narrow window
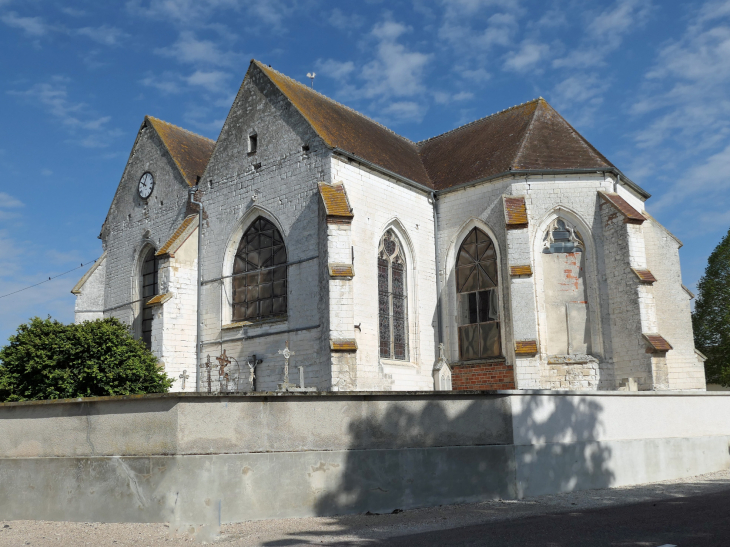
(392, 298)
(260, 273)
(477, 284)
(150, 267)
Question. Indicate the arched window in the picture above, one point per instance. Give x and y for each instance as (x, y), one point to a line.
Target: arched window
(150, 268)
(259, 273)
(476, 284)
(392, 298)
(565, 291)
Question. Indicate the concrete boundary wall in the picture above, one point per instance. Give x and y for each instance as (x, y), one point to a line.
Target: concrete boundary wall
(193, 458)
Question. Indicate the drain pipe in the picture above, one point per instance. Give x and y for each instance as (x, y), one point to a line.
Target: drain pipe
(438, 277)
(199, 310)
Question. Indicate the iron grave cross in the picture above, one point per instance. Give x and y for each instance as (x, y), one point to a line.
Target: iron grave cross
(287, 353)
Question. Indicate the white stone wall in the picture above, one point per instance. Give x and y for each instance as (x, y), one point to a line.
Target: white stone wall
(90, 297)
(173, 327)
(379, 203)
(284, 190)
(673, 308)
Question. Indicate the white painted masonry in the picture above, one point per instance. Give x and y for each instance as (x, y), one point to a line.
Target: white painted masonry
(332, 322)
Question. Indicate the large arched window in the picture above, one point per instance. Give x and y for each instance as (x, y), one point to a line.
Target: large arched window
(259, 273)
(150, 268)
(392, 298)
(477, 284)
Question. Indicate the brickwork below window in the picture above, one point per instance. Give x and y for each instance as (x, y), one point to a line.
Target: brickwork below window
(482, 376)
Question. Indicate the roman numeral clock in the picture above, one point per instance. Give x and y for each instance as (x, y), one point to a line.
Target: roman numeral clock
(146, 185)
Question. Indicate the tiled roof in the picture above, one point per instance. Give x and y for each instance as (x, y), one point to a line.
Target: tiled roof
(159, 299)
(344, 128)
(189, 151)
(343, 344)
(530, 136)
(515, 212)
(183, 231)
(525, 347)
(335, 201)
(520, 270)
(645, 276)
(632, 215)
(658, 343)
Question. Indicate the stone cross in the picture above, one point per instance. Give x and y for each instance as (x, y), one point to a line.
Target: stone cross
(442, 356)
(184, 376)
(287, 353)
(252, 364)
(207, 366)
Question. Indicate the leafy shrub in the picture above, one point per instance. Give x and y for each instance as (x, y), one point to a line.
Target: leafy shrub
(47, 359)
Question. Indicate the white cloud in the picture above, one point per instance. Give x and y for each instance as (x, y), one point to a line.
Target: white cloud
(189, 49)
(605, 33)
(32, 26)
(209, 79)
(77, 117)
(106, 35)
(344, 22)
(168, 83)
(403, 111)
(337, 70)
(579, 96)
(526, 57)
(9, 202)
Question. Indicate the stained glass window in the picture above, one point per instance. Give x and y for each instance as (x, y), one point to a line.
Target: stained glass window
(150, 268)
(260, 273)
(477, 284)
(392, 298)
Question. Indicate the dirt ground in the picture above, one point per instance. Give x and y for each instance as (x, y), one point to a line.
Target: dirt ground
(351, 530)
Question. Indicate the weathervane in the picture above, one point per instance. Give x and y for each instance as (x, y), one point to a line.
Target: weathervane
(311, 76)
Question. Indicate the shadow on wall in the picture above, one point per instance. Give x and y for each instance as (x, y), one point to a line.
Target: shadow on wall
(457, 451)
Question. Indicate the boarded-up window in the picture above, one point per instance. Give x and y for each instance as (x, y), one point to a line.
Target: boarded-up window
(392, 298)
(150, 270)
(260, 273)
(565, 292)
(477, 284)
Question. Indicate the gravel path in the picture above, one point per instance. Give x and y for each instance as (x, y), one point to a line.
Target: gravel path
(347, 530)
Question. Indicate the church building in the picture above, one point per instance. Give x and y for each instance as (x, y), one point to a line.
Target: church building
(508, 253)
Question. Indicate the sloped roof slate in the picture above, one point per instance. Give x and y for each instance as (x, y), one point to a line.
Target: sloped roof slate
(531, 136)
(189, 151)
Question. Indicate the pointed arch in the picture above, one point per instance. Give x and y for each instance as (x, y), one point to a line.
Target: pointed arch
(392, 297)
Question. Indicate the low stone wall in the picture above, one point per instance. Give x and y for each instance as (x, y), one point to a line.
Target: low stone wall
(189, 458)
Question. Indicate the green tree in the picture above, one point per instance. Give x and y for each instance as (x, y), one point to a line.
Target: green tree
(46, 359)
(711, 318)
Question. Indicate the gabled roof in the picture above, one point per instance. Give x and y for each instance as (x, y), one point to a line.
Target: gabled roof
(528, 137)
(189, 151)
(343, 128)
(187, 227)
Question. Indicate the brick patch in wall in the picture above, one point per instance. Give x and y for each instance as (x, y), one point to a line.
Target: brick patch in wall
(482, 376)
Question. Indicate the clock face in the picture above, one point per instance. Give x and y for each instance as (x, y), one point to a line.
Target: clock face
(146, 184)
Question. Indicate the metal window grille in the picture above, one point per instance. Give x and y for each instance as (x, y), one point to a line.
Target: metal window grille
(392, 298)
(262, 292)
(150, 270)
(477, 284)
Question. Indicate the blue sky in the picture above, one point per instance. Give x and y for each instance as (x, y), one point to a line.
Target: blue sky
(645, 81)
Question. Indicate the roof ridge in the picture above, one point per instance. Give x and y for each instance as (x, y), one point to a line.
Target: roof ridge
(525, 135)
(330, 99)
(419, 143)
(178, 127)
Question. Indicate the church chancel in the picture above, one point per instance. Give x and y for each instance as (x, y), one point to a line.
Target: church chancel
(310, 242)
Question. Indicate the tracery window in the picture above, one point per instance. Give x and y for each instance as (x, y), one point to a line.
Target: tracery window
(392, 298)
(260, 273)
(150, 268)
(477, 284)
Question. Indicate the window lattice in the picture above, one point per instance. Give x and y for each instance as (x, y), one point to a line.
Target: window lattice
(392, 298)
(477, 284)
(260, 273)
(150, 268)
